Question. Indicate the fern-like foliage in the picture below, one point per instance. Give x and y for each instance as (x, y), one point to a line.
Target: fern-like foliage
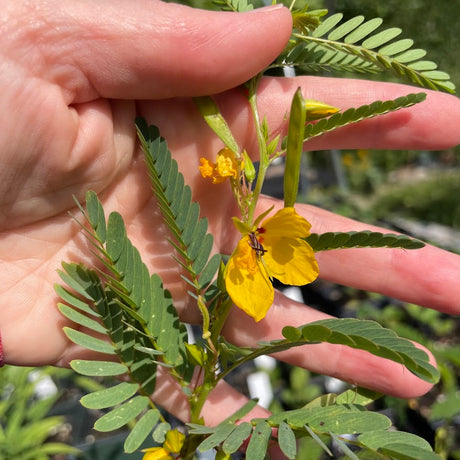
(362, 334)
(363, 112)
(355, 46)
(327, 417)
(131, 309)
(189, 232)
(129, 306)
(345, 240)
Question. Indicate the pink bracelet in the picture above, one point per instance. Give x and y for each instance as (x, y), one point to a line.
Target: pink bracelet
(2, 361)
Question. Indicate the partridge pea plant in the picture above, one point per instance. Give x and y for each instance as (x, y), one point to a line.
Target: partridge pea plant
(129, 316)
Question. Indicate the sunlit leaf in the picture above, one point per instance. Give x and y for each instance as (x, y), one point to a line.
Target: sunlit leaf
(122, 415)
(236, 438)
(287, 440)
(109, 397)
(141, 430)
(258, 443)
(220, 434)
(89, 342)
(98, 368)
(81, 319)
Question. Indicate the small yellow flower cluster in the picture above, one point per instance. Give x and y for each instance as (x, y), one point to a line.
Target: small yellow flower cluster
(225, 166)
(172, 445)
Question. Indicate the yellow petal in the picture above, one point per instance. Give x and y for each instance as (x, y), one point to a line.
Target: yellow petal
(288, 256)
(226, 165)
(206, 168)
(156, 453)
(290, 260)
(286, 222)
(174, 441)
(247, 281)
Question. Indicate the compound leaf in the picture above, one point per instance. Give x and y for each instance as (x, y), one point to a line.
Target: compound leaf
(345, 240)
(189, 232)
(353, 46)
(372, 337)
(363, 112)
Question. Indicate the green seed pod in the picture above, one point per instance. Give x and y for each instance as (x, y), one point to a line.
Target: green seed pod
(249, 169)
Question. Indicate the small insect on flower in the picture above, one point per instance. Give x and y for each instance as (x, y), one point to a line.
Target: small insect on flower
(255, 244)
(275, 249)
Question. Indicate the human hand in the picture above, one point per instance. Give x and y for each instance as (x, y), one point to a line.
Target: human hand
(76, 74)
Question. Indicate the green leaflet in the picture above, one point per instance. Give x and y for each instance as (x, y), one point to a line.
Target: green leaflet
(74, 301)
(122, 415)
(98, 368)
(109, 397)
(82, 320)
(182, 216)
(219, 435)
(287, 440)
(378, 439)
(344, 240)
(341, 419)
(343, 447)
(237, 437)
(89, 342)
(258, 444)
(353, 46)
(369, 336)
(404, 452)
(95, 215)
(141, 430)
(159, 434)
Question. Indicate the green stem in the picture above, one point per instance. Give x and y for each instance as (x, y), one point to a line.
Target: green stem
(221, 317)
(268, 350)
(264, 160)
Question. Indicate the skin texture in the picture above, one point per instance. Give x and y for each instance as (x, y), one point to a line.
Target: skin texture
(73, 77)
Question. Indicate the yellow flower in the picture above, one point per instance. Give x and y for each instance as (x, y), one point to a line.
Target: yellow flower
(174, 441)
(276, 249)
(226, 166)
(173, 444)
(156, 453)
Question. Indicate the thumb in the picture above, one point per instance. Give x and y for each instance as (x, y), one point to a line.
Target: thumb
(147, 49)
